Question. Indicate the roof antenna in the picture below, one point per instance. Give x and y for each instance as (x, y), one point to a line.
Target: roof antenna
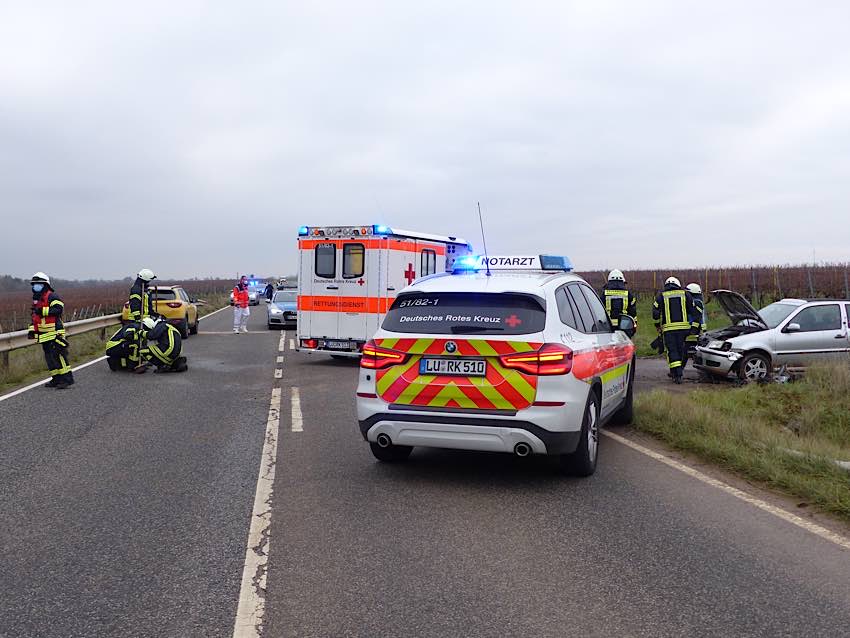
(483, 239)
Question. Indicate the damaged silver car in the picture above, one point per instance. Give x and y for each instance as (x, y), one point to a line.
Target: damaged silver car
(791, 332)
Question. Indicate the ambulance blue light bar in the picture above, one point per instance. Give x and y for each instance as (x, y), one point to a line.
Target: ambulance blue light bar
(303, 231)
(476, 263)
(380, 229)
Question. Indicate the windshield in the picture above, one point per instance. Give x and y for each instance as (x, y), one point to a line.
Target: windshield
(285, 296)
(775, 313)
(466, 313)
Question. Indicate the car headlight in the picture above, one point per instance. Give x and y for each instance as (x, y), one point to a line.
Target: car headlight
(276, 311)
(719, 345)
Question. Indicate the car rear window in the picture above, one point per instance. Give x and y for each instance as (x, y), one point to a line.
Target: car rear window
(157, 294)
(466, 313)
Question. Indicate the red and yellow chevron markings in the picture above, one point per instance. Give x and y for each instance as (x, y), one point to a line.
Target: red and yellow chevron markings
(500, 389)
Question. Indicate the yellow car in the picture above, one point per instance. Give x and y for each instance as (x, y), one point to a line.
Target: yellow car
(175, 305)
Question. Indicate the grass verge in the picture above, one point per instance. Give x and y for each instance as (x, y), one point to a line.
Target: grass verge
(26, 365)
(784, 436)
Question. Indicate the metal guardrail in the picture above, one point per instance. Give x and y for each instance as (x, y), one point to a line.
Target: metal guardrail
(14, 340)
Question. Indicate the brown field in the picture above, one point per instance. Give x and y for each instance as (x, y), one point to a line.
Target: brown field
(761, 284)
(92, 300)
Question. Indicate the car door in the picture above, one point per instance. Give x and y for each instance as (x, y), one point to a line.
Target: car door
(822, 335)
(597, 327)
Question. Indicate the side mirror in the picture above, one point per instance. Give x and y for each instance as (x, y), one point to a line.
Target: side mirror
(627, 325)
(793, 327)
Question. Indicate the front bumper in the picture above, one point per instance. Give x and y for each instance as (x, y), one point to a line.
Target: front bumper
(718, 362)
(284, 319)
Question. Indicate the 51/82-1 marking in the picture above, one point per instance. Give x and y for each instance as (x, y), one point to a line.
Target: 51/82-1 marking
(455, 367)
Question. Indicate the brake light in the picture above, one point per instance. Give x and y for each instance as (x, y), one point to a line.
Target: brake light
(375, 358)
(173, 304)
(309, 343)
(551, 359)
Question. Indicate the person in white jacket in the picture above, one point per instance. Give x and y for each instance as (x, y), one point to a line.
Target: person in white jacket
(241, 311)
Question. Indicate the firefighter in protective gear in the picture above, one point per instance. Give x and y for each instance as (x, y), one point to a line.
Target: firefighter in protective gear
(122, 349)
(699, 317)
(241, 311)
(164, 352)
(673, 313)
(48, 330)
(140, 298)
(619, 300)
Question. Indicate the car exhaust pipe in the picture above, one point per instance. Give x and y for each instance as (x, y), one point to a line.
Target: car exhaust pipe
(522, 449)
(384, 440)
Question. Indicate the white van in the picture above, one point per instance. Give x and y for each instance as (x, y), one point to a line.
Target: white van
(348, 276)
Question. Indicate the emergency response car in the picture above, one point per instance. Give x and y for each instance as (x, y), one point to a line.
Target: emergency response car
(349, 275)
(519, 357)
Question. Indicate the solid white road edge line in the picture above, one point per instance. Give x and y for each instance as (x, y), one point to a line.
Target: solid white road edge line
(814, 528)
(250, 614)
(15, 393)
(297, 418)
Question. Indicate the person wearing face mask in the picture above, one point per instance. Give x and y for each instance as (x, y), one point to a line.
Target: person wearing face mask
(48, 330)
(240, 306)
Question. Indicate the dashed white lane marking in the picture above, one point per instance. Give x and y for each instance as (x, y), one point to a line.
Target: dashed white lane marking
(292, 344)
(280, 359)
(297, 419)
(278, 374)
(15, 393)
(250, 614)
(281, 345)
(814, 528)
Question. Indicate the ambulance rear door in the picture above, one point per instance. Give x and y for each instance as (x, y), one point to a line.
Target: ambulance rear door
(402, 265)
(354, 289)
(323, 301)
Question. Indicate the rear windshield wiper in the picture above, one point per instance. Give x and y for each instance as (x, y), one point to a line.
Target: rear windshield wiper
(457, 330)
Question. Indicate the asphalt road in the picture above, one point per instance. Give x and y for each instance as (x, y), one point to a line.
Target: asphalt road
(126, 503)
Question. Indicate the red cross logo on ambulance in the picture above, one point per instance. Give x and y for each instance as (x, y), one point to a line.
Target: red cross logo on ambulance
(410, 274)
(513, 321)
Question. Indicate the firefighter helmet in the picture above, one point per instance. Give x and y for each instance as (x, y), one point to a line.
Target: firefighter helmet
(694, 289)
(146, 274)
(673, 281)
(149, 323)
(40, 278)
(616, 275)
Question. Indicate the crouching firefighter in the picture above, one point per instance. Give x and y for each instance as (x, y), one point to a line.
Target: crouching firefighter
(122, 349)
(672, 313)
(164, 345)
(699, 317)
(48, 330)
(619, 300)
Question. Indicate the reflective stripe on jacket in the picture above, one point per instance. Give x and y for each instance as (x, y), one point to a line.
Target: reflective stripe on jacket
(673, 310)
(47, 317)
(240, 296)
(619, 302)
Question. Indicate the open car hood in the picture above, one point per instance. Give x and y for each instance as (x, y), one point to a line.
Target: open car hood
(738, 308)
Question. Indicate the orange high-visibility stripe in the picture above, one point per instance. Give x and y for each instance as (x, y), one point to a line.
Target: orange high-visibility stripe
(404, 246)
(594, 362)
(320, 303)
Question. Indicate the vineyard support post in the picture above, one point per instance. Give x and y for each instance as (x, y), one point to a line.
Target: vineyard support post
(846, 287)
(811, 284)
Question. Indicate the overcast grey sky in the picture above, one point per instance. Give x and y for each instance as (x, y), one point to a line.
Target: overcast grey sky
(194, 138)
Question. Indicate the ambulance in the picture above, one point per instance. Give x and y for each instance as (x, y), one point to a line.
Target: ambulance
(348, 276)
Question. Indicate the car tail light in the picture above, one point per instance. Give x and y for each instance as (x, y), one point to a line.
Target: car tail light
(309, 343)
(551, 359)
(374, 357)
(174, 304)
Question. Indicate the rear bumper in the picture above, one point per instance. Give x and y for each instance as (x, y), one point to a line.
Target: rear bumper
(485, 434)
(352, 347)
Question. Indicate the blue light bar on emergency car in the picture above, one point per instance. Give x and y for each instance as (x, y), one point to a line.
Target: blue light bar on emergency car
(380, 229)
(475, 263)
(303, 231)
